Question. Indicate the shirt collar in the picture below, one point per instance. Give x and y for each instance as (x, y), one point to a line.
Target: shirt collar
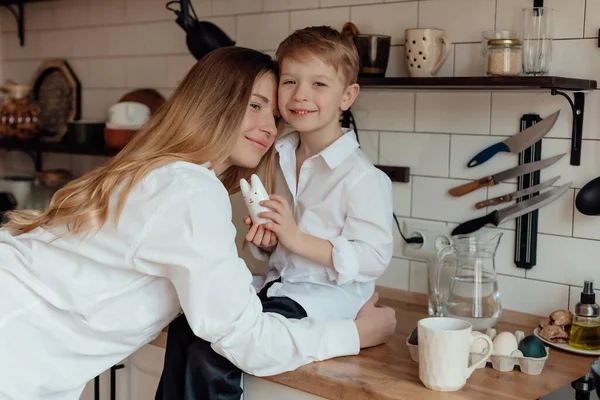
(333, 155)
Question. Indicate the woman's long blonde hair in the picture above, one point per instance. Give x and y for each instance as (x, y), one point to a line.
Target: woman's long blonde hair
(200, 123)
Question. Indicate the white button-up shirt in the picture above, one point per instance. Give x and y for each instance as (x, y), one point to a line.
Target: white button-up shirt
(341, 197)
(73, 307)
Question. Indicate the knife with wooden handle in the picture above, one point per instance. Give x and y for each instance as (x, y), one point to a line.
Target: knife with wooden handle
(511, 212)
(504, 175)
(515, 195)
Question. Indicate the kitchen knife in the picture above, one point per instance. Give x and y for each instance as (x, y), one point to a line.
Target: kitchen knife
(511, 212)
(518, 142)
(515, 195)
(504, 175)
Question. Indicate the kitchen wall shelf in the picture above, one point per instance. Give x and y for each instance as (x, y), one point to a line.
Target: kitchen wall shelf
(17, 8)
(479, 83)
(35, 148)
(557, 85)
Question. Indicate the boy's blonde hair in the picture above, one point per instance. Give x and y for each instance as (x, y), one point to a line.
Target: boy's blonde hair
(327, 44)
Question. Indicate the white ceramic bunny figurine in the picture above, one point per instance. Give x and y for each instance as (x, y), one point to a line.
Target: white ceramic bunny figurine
(253, 194)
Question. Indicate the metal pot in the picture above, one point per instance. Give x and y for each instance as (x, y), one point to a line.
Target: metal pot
(373, 50)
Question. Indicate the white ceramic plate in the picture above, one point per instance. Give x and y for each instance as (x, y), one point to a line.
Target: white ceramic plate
(566, 347)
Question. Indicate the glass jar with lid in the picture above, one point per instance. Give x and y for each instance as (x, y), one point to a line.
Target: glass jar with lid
(503, 53)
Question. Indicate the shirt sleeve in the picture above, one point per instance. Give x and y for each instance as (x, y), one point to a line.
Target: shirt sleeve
(364, 249)
(192, 243)
(258, 253)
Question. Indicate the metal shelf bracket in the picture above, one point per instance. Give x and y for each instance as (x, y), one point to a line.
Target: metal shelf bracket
(577, 107)
(18, 10)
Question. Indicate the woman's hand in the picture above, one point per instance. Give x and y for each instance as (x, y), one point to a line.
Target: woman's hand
(282, 222)
(259, 236)
(375, 324)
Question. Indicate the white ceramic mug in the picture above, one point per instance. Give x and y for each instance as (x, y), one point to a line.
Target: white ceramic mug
(444, 345)
(128, 115)
(426, 51)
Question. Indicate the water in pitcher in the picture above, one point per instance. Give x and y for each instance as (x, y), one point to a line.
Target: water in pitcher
(475, 300)
(465, 283)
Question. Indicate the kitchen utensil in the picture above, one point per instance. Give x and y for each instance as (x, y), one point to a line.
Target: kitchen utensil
(587, 201)
(493, 180)
(426, 51)
(464, 280)
(515, 195)
(566, 347)
(581, 388)
(20, 116)
(518, 142)
(149, 97)
(514, 211)
(373, 50)
(444, 345)
(373, 53)
(526, 226)
(538, 26)
(85, 133)
(58, 92)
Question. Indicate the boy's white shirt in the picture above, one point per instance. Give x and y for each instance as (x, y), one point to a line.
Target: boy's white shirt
(343, 198)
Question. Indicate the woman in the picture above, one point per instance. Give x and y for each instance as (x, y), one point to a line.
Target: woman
(123, 249)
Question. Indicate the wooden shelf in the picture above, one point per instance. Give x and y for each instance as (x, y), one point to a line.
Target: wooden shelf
(557, 85)
(16, 2)
(39, 146)
(479, 83)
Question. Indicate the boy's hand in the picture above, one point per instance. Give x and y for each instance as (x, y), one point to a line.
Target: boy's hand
(259, 236)
(283, 223)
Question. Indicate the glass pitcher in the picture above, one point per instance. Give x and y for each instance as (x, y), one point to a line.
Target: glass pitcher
(465, 280)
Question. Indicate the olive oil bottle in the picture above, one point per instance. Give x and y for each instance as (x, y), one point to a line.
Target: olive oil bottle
(585, 329)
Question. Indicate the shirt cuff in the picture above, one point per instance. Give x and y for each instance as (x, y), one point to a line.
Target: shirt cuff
(345, 261)
(258, 253)
(258, 281)
(341, 339)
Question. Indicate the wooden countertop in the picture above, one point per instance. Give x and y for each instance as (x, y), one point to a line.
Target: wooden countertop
(387, 372)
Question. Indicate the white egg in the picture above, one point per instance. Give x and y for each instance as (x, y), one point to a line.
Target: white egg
(478, 346)
(504, 344)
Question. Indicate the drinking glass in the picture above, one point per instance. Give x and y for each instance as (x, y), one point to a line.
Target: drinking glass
(538, 30)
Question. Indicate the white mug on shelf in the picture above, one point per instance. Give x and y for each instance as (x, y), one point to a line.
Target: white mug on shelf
(426, 50)
(444, 345)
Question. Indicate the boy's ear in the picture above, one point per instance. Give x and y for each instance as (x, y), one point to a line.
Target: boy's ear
(349, 96)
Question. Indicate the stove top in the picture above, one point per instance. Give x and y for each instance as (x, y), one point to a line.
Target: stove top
(580, 389)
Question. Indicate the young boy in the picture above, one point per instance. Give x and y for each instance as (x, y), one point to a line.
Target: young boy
(331, 219)
(333, 212)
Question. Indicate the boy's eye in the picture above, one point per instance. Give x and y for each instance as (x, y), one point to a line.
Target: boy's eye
(320, 84)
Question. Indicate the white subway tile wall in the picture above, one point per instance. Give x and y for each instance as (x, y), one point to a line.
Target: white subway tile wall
(118, 45)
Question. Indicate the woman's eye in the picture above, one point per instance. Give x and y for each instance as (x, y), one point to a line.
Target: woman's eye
(255, 106)
(289, 82)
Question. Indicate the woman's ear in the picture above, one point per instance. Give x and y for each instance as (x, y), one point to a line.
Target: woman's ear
(349, 96)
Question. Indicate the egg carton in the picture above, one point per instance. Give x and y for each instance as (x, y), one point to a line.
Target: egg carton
(527, 365)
